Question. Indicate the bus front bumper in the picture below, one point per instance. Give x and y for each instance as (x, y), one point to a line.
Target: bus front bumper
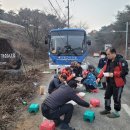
(55, 67)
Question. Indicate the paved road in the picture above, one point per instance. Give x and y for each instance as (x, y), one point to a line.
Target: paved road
(32, 122)
(102, 122)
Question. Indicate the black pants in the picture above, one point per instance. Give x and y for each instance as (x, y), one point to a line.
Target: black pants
(111, 89)
(104, 84)
(73, 83)
(66, 110)
(89, 87)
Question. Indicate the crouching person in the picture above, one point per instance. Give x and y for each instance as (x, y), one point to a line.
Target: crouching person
(56, 82)
(55, 106)
(89, 79)
(70, 77)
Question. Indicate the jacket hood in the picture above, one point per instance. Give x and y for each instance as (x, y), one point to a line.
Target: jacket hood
(56, 76)
(118, 56)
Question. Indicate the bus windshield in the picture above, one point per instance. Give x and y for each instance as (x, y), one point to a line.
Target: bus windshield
(67, 42)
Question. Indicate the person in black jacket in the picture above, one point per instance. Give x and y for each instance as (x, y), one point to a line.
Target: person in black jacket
(102, 62)
(55, 106)
(78, 69)
(117, 69)
(56, 82)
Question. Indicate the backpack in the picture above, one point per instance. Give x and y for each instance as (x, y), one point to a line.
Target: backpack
(124, 64)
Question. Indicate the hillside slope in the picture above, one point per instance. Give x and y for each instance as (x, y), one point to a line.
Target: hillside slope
(16, 34)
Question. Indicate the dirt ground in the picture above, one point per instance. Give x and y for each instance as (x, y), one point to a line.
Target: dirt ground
(32, 121)
(13, 92)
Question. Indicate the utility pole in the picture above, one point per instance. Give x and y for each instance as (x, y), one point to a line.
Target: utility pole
(68, 7)
(0, 5)
(68, 13)
(126, 46)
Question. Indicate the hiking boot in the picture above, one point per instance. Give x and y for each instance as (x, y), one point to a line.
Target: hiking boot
(103, 88)
(104, 112)
(65, 126)
(58, 122)
(69, 128)
(88, 90)
(113, 115)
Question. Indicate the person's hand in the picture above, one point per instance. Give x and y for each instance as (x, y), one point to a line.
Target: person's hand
(73, 74)
(84, 76)
(65, 82)
(110, 74)
(98, 80)
(77, 94)
(90, 106)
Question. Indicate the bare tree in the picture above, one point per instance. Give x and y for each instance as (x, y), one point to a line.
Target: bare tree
(37, 25)
(82, 25)
(35, 30)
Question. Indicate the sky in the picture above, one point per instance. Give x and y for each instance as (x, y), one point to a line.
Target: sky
(93, 13)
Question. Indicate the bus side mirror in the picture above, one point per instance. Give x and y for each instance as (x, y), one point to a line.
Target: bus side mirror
(46, 40)
(89, 42)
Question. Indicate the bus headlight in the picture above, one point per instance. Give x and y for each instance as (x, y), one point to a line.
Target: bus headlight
(84, 61)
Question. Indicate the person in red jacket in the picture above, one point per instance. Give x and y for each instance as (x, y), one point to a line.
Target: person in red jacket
(70, 77)
(68, 72)
(116, 71)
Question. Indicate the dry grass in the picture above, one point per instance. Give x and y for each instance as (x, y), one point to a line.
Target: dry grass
(12, 90)
(12, 32)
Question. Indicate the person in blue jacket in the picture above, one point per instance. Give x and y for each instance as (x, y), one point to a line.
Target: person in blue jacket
(89, 79)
